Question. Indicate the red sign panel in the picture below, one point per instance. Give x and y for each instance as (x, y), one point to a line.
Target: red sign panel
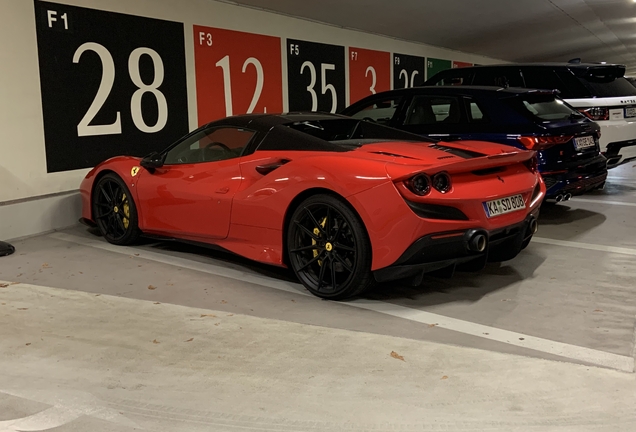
(236, 73)
(457, 64)
(369, 73)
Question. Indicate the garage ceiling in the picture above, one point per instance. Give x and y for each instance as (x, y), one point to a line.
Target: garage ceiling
(512, 30)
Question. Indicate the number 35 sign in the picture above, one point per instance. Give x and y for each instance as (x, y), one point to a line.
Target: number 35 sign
(112, 84)
(236, 73)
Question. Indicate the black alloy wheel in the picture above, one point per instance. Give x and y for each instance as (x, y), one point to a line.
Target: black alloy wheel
(114, 211)
(329, 249)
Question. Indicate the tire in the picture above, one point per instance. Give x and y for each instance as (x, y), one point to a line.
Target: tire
(114, 211)
(329, 248)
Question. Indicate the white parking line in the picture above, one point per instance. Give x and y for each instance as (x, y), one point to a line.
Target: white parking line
(573, 352)
(51, 418)
(587, 355)
(618, 203)
(66, 408)
(621, 178)
(588, 246)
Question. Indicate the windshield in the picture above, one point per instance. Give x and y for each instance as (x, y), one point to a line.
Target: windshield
(544, 107)
(353, 132)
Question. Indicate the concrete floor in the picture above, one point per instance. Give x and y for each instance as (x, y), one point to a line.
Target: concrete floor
(543, 342)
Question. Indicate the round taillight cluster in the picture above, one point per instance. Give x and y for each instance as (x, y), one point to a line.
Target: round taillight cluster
(442, 182)
(421, 184)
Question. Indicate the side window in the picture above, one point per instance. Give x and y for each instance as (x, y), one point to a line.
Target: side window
(430, 110)
(379, 112)
(498, 76)
(572, 86)
(542, 78)
(210, 145)
(475, 113)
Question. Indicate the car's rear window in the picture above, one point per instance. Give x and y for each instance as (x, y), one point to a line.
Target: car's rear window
(612, 88)
(543, 107)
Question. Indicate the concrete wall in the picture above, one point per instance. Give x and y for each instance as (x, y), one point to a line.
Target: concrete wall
(34, 201)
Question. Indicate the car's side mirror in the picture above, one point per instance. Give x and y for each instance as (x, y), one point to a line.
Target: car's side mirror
(153, 161)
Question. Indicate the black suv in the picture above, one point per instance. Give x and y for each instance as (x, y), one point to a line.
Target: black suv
(566, 141)
(600, 91)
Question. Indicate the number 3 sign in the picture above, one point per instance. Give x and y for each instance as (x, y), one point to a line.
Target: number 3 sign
(236, 73)
(369, 73)
(107, 92)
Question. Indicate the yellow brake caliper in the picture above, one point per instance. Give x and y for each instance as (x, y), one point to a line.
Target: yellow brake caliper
(323, 222)
(126, 207)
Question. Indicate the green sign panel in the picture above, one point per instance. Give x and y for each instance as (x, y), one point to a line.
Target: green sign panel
(434, 66)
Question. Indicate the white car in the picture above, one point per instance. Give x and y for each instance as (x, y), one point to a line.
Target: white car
(598, 90)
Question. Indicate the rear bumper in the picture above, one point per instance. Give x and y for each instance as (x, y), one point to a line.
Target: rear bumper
(615, 153)
(577, 180)
(450, 249)
(618, 141)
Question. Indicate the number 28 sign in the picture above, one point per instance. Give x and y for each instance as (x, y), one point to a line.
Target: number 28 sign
(236, 73)
(106, 92)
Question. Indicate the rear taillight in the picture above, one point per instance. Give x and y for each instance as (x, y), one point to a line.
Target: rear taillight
(543, 142)
(419, 185)
(596, 113)
(532, 164)
(442, 182)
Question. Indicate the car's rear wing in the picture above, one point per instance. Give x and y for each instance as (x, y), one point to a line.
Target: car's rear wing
(455, 165)
(600, 73)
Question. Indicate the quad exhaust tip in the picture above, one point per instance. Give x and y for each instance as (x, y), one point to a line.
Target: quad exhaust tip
(563, 198)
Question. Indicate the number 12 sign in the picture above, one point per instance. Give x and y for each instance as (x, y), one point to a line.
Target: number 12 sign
(236, 73)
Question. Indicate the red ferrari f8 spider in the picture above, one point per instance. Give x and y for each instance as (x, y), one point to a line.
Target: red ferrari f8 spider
(343, 202)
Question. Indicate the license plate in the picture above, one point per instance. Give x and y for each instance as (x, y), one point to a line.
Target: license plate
(584, 142)
(630, 112)
(504, 205)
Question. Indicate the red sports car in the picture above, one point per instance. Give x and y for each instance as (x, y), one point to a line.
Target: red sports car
(343, 202)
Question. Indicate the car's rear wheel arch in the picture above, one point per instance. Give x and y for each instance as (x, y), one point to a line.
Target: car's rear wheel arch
(295, 203)
(327, 245)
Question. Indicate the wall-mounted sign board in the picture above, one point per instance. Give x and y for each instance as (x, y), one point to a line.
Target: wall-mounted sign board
(112, 84)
